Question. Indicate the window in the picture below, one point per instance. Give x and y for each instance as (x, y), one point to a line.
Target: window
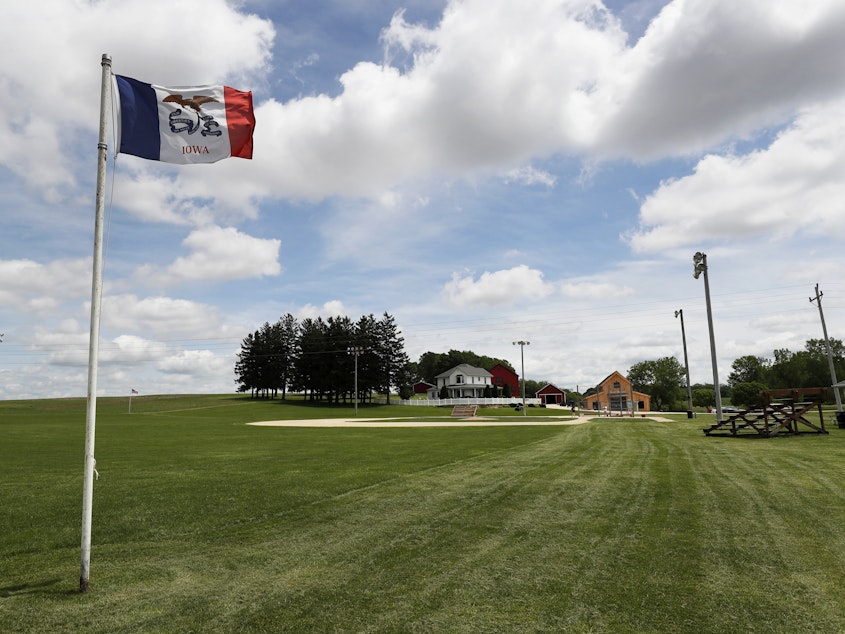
(459, 378)
(616, 385)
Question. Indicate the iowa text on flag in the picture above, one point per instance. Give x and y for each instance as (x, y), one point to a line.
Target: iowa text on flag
(185, 124)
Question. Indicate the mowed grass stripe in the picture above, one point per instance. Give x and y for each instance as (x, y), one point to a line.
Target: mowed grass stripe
(614, 526)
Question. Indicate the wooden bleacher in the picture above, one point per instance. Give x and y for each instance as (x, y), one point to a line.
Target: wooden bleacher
(784, 412)
(464, 411)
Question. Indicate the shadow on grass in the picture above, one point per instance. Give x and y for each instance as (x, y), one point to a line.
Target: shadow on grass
(29, 588)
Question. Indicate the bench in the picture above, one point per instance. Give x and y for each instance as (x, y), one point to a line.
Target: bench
(783, 412)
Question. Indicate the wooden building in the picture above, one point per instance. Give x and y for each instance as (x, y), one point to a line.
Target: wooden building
(615, 394)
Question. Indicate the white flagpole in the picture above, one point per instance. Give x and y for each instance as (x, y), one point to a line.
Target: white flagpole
(94, 336)
(130, 401)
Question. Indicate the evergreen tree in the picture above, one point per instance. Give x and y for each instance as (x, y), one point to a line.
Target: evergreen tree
(391, 349)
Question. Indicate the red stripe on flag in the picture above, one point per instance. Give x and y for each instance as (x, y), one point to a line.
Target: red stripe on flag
(240, 120)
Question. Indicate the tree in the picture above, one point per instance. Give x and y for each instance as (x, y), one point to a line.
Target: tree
(532, 386)
(312, 356)
(747, 395)
(391, 347)
(749, 369)
(433, 363)
(661, 379)
(703, 397)
(246, 367)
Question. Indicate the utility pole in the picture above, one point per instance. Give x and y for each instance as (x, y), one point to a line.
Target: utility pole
(700, 266)
(522, 345)
(355, 351)
(680, 313)
(818, 299)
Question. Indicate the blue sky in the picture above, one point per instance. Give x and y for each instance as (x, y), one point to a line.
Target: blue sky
(485, 171)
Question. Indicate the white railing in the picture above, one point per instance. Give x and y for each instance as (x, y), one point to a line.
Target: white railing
(438, 402)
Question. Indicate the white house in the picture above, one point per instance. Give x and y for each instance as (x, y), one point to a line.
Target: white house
(462, 381)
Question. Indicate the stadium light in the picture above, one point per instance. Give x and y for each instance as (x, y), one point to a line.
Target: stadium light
(355, 351)
(522, 345)
(700, 266)
(680, 313)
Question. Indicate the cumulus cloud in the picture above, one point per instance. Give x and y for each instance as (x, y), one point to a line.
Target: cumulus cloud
(219, 254)
(498, 288)
(331, 308)
(490, 87)
(161, 315)
(196, 364)
(707, 70)
(796, 184)
(37, 141)
(34, 287)
(495, 84)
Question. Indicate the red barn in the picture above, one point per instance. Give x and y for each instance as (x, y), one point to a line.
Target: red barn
(503, 375)
(421, 387)
(551, 395)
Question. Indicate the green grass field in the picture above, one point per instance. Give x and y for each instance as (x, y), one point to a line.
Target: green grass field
(205, 524)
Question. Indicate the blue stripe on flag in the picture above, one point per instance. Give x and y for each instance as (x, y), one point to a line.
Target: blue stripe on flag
(139, 131)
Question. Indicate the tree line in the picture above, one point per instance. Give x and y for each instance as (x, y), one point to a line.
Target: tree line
(317, 357)
(665, 379)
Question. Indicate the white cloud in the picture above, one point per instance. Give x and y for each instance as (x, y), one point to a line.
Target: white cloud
(530, 175)
(707, 70)
(499, 288)
(161, 316)
(495, 84)
(796, 184)
(196, 363)
(217, 254)
(37, 288)
(331, 308)
(36, 139)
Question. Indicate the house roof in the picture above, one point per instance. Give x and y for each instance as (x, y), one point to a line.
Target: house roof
(505, 368)
(550, 385)
(465, 369)
(607, 378)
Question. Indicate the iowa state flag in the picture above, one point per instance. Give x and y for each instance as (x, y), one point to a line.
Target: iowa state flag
(184, 124)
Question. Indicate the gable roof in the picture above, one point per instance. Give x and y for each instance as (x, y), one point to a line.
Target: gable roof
(505, 368)
(609, 376)
(550, 385)
(465, 368)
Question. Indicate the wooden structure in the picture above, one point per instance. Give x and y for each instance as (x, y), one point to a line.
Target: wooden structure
(784, 412)
(616, 394)
(551, 394)
(503, 375)
(464, 411)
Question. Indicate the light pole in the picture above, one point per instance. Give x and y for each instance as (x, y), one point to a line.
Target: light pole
(355, 351)
(522, 345)
(818, 299)
(680, 313)
(700, 266)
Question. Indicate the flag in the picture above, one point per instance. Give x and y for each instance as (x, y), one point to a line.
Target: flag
(185, 124)
(134, 391)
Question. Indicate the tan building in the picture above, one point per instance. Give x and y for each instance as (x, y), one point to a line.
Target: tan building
(615, 394)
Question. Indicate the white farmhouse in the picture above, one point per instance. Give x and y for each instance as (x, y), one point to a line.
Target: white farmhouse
(462, 381)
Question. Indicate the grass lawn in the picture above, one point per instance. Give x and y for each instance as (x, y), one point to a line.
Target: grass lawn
(205, 524)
